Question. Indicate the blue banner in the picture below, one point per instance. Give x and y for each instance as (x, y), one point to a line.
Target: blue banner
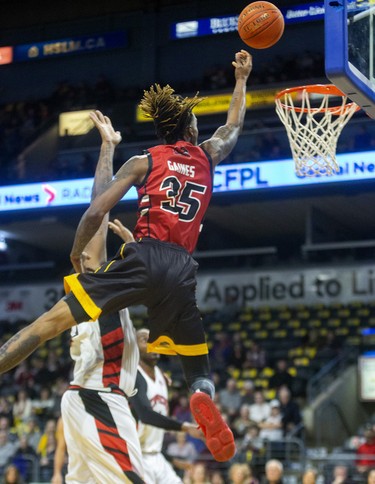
(68, 46)
(238, 177)
(223, 24)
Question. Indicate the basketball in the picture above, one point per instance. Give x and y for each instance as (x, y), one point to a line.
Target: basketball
(260, 25)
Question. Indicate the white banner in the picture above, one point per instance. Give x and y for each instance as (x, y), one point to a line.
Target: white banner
(215, 290)
(273, 288)
(28, 302)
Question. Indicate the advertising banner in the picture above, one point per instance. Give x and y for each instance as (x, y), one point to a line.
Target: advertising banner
(228, 178)
(216, 289)
(71, 45)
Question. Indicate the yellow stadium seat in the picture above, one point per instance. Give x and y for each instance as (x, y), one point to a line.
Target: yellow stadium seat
(354, 340)
(300, 333)
(262, 334)
(342, 331)
(261, 382)
(246, 317)
(356, 321)
(333, 323)
(343, 313)
(267, 372)
(302, 361)
(250, 373)
(314, 323)
(280, 333)
(234, 372)
(295, 352)
(324, 314)
(270, 394)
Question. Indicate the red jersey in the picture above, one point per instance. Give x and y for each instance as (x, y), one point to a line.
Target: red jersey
(175, 194)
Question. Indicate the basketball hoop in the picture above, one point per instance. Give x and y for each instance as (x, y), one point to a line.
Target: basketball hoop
(313, 131)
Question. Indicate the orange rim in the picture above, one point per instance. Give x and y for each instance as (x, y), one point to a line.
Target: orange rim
(324, 89)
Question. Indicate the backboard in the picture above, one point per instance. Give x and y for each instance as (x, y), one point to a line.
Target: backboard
(349, 49)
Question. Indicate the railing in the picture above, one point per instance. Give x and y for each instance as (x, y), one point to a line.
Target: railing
(321, 380)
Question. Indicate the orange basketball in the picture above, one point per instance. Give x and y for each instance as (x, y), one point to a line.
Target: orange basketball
(260, 25)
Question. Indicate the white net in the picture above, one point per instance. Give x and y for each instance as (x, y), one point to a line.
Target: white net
(313, 131)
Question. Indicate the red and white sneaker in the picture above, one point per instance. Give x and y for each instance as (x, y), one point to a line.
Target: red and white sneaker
(219, 437)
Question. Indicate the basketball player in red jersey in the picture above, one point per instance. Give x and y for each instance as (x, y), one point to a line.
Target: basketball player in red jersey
(174, 183)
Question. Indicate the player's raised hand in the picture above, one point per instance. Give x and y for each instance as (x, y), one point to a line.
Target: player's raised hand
(119, 229)
(106, 130)
(243, 64)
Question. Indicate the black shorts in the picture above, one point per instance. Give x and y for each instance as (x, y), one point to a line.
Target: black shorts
(160, 275)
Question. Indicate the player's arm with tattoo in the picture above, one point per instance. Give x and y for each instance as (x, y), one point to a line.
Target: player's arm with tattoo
(224, 139)
(131, 173)
(95, 252)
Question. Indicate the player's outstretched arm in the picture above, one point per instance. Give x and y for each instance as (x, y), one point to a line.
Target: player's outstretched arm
(27, 340)
(224, 139)
(131, 173)
(95, 253)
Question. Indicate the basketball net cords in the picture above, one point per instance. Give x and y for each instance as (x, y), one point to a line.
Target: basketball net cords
(313, 141)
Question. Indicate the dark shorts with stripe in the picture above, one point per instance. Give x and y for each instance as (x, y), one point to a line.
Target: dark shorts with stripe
(159, 275)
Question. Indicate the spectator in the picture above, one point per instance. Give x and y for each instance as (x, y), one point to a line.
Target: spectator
(7, 449)
(230, 398)
(183, 453)
(23, 376)
(217, 478)
(247, 393)
(46, 450)
(23, 457)
(237, 357)
(340, 475)
(12, 475)
(274, 472)
(243, 422)
(241, 474)
(371, 476)
(255, 357)
(43, 406)
(260, 409)
(33, 433)
(366, 452)
(5, 425)
(309, 476)
(220, 351)
(290, 411)
(22, 408)
(281, 377)
(197, 474)
(271, 426)
(182, 409)
(252, 444)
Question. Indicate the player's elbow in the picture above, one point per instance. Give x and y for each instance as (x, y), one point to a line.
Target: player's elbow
(95, 214)
(235, 128)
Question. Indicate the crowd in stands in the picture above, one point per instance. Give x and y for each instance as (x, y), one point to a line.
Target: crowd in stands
(266, 415)
(23, 121)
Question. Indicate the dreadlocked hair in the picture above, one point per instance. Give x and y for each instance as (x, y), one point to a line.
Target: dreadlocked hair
(171, 113)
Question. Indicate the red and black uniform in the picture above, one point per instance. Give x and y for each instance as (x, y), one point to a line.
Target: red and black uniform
(157, 270)
(175, 194)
